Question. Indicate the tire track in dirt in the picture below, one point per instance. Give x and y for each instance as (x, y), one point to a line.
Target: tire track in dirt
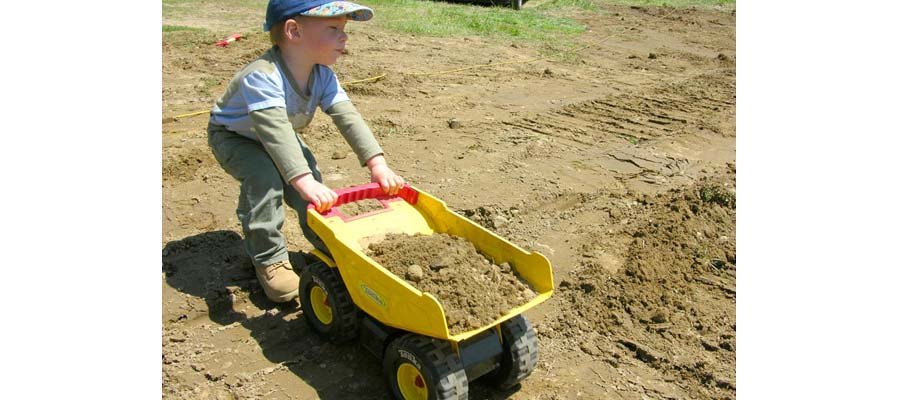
(672, 109)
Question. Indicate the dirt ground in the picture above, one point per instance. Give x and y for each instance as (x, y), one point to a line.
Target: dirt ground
(618, 164)
(472, 290)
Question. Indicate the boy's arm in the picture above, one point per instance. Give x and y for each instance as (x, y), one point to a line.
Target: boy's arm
(355, 131)
(277, 136)
(361, 139)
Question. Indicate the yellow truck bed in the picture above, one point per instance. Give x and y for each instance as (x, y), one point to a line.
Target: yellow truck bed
(390, 299)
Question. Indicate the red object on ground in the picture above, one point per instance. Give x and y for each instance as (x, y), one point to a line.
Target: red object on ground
(229, 39)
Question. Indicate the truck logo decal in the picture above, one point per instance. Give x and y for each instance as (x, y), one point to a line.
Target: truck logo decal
(372, 294)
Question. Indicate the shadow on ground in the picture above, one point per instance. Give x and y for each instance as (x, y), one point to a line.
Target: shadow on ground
(214, 267)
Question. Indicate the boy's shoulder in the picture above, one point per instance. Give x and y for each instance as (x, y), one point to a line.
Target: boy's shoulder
(266, 63)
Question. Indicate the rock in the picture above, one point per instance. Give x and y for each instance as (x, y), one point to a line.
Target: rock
(659, 317)
(271, 312)
(414, 273)
(548, 71)
(589, 348)
(642, 352)
(214, 376)
(439, 264)
(338, 155)
(723, 57)
(652, 56)
(615, 213)
(500, 221)
(708, 346)
(453, 123)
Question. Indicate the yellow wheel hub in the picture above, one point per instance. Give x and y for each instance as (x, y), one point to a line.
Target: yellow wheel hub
(412, 384)
(319, 299)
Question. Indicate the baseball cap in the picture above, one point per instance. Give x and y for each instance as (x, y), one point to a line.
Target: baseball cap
(280, 10)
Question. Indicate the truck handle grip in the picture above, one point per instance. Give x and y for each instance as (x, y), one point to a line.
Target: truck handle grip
(368, 191)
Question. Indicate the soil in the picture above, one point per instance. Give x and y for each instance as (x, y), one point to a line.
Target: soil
(472, 290)
(360, 207)
(618, 167)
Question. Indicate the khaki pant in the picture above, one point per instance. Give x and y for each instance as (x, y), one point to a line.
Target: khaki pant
(263, 192)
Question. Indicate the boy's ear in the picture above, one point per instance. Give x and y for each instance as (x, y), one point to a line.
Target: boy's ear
(292, 29)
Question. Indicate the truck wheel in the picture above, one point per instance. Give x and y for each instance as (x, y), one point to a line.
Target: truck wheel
(520, 353)
(515, 4)
(422, 368)
(326, 304)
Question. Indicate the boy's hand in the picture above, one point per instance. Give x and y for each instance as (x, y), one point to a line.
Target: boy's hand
(314, 192)
(390, 182)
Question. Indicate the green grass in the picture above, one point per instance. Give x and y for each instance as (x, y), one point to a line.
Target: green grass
(180, 28)
(588, 5)
(718, 195)
(439, 19)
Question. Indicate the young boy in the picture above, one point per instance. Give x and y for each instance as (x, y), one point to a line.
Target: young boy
(253, 131)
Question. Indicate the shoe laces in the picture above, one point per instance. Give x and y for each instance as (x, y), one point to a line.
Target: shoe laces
(272, 269)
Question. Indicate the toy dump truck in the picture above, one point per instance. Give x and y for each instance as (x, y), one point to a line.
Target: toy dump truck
(347, 294)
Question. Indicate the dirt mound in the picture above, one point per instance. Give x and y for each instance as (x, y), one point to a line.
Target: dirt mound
(672, 304)
(473, 290)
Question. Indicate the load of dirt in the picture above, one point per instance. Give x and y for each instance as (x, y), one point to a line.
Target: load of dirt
(472, 290)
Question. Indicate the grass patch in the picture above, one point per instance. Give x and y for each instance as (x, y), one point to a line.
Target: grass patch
(718, 195)
(587, 5)
(545, 23)
(439, 19)
(181, 28)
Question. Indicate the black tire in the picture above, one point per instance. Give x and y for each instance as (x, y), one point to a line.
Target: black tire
(344, 323)
(443, 373)
(520, 353)
(516, 4)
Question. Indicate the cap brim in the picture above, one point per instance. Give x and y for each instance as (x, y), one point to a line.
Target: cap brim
(353, 11)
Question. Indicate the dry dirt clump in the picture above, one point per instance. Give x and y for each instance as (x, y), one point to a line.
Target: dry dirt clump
(472, 290)
(672, 305)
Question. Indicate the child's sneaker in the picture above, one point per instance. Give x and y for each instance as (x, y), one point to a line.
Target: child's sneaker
(279, 281)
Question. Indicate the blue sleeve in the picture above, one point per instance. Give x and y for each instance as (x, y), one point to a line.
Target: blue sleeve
(261, 91)
(332, 92)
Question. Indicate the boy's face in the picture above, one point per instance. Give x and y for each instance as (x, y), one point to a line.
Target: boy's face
(323, 39)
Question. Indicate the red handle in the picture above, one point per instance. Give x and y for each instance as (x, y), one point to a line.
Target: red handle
(368, 191)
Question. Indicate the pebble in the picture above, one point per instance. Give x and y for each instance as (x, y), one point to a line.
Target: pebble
(414, 273)
(453, 123)
(652, 56)
(271, 312)
(439, 264)
(659, 317)
(338, 155)
(215, 376)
